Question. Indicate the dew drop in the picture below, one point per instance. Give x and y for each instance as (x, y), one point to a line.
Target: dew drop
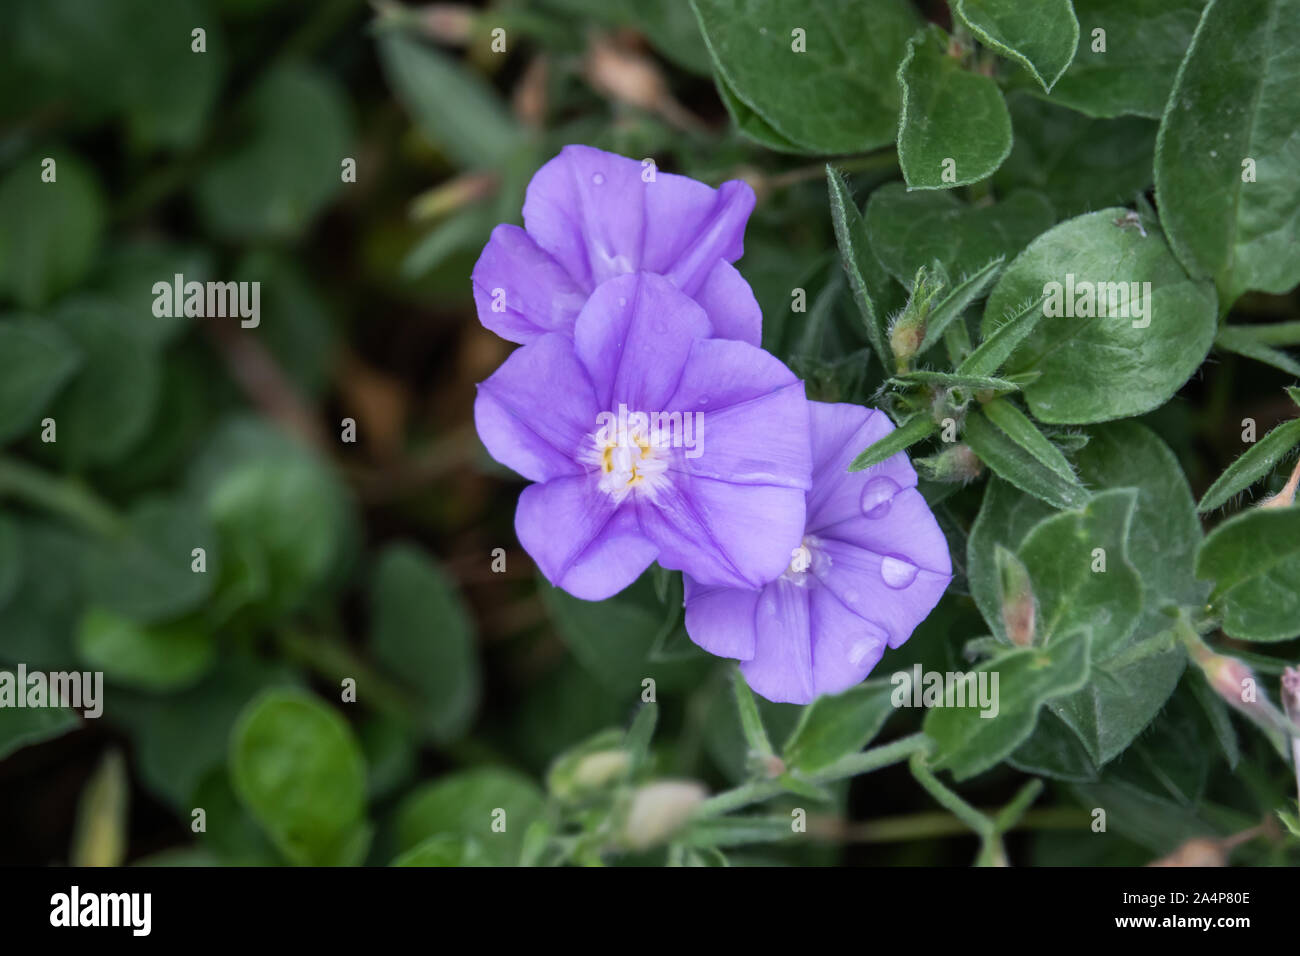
(598, 179)
(704, 400)
(897, 572)
(877, 495)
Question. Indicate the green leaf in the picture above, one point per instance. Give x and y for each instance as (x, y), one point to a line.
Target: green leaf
(1254, 561)
(423, 633)
(107, 406)
(1040, 36)
(1237, 339)
(911, 229)
(901, 438)
(11, 568)
(837, 97)
(36, 360)
(145, 573)
(1130, 684)
(836, 725)
(967, 743)
(1020, 429)
(443, 850)
(1011, 461)
(152, 657)
(998, 345)
(297, 766)
(37, 629)
(1253, 464)
(750, 124)
(953, 128)
(1130, 66)
(465, 805)
(1234, 101)
(100, 838)
(955, 302)
(860, 264)
(1077, 162)
(1061, 554)
(275, 180)
(956, 380)
(642, 624)
(454, 107)
(128, 275)
(750, 721)
(50, 232)
(22, 727)
(1098, 368)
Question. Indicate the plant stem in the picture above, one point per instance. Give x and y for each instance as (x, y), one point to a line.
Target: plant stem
(1272, 333)
(948, 799)
(937, 824)
(64, 497)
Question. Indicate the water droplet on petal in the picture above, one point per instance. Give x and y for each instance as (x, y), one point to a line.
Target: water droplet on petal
(858, 651)
(704, 400)
(598, 179)
(877, 495)
(897, 572)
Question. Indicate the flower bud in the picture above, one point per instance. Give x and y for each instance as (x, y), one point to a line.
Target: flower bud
(658, 810)
(1016, 591)
(956, 463)
(908, 330)
(1286, 497)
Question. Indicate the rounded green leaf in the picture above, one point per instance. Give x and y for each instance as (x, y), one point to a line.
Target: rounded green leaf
(423, 633)
(491, 805)
(1254, 561)
(49, 231)
(297, 766)
(36, 360)
(822, 75)
(953, 127)
(1157, 327)
(152, 657)
(1040, 36)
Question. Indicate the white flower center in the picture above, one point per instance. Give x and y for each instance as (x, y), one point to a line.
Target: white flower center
(628, 459)
(802, 559)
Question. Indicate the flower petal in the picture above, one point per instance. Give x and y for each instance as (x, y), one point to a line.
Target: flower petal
(580, 539)
(521, 292)
(720, 620)
(891, 570)
(730, 304)
(781, 668)
(839, 434)
(633, 336)
(537, 410)
(598, 216)
(844, 646)
(723, 534)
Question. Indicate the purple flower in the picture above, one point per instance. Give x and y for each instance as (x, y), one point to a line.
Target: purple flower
(619, 481)
(591, 216)
(871, 565)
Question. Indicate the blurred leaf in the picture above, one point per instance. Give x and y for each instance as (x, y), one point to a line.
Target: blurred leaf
(129, 272)
(1099, 368)
(288, 165)
(302, 336)
(1254, 561)
(106, 408)
(38, 629)
(22, 727)
(1077, 162)
(390, 752)
(50, 232)
(145, 573)
(423, 633)
(1238, 339)
(452, 106)
(1041, 37)
(296, 765)
(954, 128)
(838, 97)
(36, 360)
(152, 657)
(465, 805)
(443, 850)
(836, 725)
(911, 229)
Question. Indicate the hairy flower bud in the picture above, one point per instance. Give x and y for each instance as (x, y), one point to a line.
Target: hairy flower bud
(956, 463)
(1019, 607)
